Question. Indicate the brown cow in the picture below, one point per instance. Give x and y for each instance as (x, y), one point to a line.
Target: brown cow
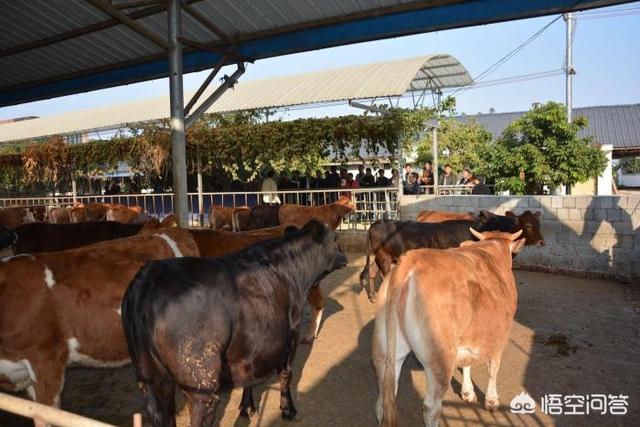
(126, 214)
(331, 214)
(441, 216)
(62, 308)
(14, 216)
(77, 213)
(237, 218)
(58, 215)
(216, 243)
(451, 308)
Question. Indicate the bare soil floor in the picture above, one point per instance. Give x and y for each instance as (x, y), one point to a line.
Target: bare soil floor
(571, 336)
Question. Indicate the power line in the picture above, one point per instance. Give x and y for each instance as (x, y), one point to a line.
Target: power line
(610, 15)
(605, 11)
(511, 54)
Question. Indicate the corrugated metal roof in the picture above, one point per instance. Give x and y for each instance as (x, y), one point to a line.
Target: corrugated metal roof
(56, 47)
(381, 79)
(618, 125)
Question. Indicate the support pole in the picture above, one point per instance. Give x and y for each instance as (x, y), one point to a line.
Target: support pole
(569, 71)
(176, 96)
(74, 190)
(200, 191)
(435, 159)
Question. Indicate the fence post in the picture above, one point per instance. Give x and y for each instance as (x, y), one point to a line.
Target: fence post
(200, 196)
(74, 190)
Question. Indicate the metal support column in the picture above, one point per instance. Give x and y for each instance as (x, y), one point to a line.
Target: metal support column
(200, 189)
(435, 159)
(176, 96)
(74, 190)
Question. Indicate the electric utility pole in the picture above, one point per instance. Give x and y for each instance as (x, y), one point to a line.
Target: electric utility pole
(569, 70)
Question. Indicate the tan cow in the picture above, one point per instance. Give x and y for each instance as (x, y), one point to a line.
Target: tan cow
(126, 214)
(451, 307)
(63, 308)
(237, 218)
(14, 216)
(331, 214)
(58, 215)
(441, 216)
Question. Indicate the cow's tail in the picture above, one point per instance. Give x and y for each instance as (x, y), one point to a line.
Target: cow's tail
(390, 411)
(365, 279)
(136, 319)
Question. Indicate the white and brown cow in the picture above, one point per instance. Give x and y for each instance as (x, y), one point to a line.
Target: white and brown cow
(63, 308)
(451, 307)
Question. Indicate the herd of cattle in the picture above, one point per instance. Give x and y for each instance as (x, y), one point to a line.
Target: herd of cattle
(198, 308)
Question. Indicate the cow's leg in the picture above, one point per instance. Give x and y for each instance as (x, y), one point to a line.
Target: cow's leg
(160, 399)
(284, 375)
(49, 379)
(247, 407)
(468, 394)
(379, 350)
(317, 304)
(491, 399)
(371, 280)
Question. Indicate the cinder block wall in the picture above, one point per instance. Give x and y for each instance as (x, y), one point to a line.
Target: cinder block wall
(597, 236)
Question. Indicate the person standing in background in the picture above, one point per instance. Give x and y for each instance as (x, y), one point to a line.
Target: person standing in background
(270, 187)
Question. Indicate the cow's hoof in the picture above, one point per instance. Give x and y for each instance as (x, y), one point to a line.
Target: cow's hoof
(469, 397)
(307, 340)
(247, 412)
(492, 404)
(289, 413)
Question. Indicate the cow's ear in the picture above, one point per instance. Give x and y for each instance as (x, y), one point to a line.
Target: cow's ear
(517, 245)
(509, 214)
(537, 214)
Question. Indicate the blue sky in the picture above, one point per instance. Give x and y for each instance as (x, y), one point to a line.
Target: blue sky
(606, 57)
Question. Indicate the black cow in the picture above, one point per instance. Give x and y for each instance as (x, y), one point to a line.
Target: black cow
(7, 237)
(43, 237)
(200, 322)
(389, 239)
(263, 216)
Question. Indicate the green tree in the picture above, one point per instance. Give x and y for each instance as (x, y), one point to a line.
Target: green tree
(460, 144)
(544, 146)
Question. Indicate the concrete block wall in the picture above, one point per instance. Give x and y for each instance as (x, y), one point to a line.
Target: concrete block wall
(596, 236)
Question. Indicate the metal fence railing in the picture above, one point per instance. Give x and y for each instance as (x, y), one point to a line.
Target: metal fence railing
(370, 204)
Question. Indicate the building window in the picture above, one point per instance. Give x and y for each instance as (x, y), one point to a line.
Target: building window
(75, 138)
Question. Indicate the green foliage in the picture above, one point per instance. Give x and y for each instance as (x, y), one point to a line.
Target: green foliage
(546, 148)
(240, 144)
(460, 144)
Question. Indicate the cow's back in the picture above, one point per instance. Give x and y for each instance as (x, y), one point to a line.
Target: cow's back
(215, 243)
(263, 216)
(43, 237)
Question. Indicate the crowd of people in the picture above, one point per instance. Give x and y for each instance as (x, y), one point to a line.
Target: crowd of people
(421, 183)
(334, 178)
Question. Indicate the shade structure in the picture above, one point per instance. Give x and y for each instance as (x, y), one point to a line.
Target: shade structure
(375, 80)
(51, 48)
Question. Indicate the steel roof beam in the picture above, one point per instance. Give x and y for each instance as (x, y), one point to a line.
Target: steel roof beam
(135, 3)
(229, 82)
(130, 23)
(207, 23)
(204, 84)
(67, 35)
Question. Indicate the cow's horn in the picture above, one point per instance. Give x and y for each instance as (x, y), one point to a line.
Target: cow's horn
(515, 235)
(478, 234)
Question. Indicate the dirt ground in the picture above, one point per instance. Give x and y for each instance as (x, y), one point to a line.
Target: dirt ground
(571, 336)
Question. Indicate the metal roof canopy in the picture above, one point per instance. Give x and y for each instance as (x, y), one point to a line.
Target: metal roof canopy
(59, 47)
(369, 81)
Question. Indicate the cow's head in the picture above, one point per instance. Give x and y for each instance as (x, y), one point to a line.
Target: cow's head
(7, 237)
(338, 212)
(514, 240)
(327, 238)
(529, 223)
